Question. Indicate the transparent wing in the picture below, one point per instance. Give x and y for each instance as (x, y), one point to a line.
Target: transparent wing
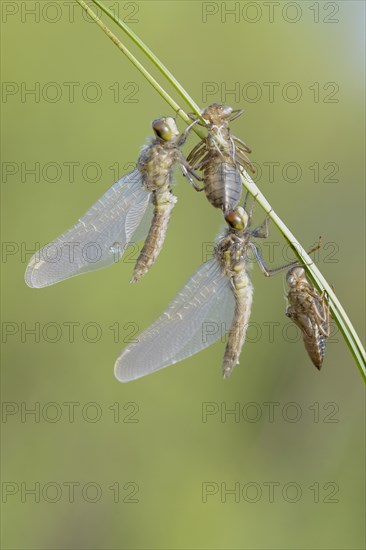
(98, 239)
(195, 319)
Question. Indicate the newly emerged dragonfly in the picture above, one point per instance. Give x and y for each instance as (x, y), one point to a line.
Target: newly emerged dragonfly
(120, 216)
(309, 311)
(220, 156)
(218, 295)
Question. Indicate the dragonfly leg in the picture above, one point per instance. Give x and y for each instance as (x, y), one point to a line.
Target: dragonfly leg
(184, 135)
(322, 316)
(316, 247)
(193, 158)
(243, 160)
(262, 231)
(246, 147)
(235, 114)
(269, 272)
(194, 117)
(250, 212)
(325, 332)
(263, 267)
(196, 147)
(247, 194)
(188, 173)
(189, 167)
(202, 163)
(193, 173)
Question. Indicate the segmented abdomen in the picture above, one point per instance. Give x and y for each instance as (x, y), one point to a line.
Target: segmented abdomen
(223, 185)
(304, 310)
(243, 292)
(163, 202)
(156, 163)
(315, 346)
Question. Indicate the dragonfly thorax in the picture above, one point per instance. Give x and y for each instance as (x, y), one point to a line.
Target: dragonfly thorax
(219, 138)
(231, 252)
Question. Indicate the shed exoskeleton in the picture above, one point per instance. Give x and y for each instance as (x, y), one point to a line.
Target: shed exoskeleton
(220, 156)
(309, 311)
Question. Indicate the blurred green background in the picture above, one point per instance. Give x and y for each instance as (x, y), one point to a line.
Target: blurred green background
(151, 462)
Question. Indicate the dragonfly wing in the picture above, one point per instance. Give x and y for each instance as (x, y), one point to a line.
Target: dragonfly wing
(98, 239)
(192, 322)
(143, 229)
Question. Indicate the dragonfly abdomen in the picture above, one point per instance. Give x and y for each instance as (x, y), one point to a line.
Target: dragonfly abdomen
(315, 346)
(223, 185)
(156, 164)
(163, 202)
(243, 293)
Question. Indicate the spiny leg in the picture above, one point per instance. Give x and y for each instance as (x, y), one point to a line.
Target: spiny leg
(235, 114)
(247, 195)
(262, 231)
(263, 267)
(326, 332)
(200, 144)
(188, 174)
(250, 212)
(203, 162)
(189, 168)
(196, 120)
(245, 146)
(183, 137)
(323, 317)
(193, 159)
(316, 247)
(244, 161)
(269, 272)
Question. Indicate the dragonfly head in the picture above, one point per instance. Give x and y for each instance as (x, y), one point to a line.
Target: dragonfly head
(217, 113)
(295, 276)
(237, 219)
(165, 128)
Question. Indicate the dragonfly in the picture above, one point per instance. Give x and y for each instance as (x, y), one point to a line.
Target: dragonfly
(137, 207)
(309, 311)
(218, 295)
(220, 156)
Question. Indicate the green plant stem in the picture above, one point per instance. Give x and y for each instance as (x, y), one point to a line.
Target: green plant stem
(162, 68)
(320, 282)
(135, 62)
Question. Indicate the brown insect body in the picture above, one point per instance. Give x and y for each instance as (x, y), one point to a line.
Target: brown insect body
(231, 252)
(220, 156)
(219, 294)
(308, 310)
(156, 163)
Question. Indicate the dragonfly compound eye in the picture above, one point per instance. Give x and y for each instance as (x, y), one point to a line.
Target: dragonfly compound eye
(237, 219)
(226, 111)
(165, 128)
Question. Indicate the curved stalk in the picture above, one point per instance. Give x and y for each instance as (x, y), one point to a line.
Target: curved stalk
(158, 64)
(154, 83)
(135, 62)
(320, 282)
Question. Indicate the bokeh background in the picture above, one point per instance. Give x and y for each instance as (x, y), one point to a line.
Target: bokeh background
(151, 464)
